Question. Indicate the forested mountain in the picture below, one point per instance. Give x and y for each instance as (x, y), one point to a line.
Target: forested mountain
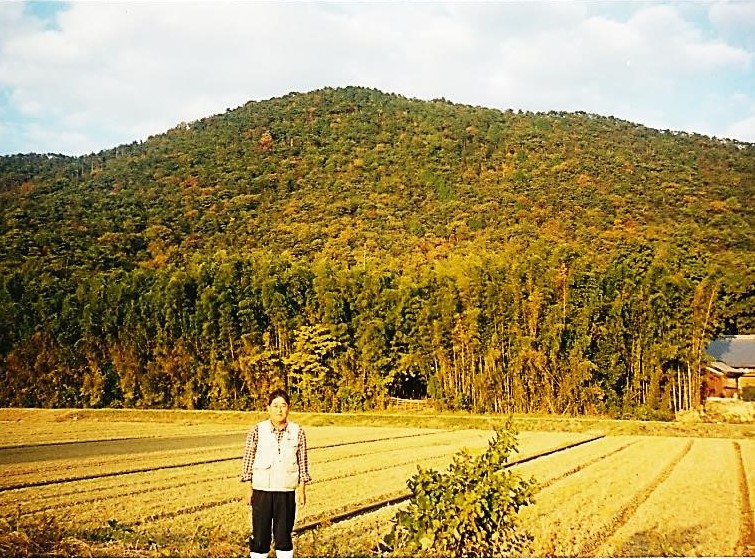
(353, 245)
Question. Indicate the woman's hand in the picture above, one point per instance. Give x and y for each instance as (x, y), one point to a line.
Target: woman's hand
(301, 495)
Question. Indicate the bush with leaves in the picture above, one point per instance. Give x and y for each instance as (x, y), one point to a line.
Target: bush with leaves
(469, 510)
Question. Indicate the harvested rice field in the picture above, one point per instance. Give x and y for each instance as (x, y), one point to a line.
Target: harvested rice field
(160, 487)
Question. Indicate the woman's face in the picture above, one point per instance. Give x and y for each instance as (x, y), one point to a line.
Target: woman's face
(278, 410)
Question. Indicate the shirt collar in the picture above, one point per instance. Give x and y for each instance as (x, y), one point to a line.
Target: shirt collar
(274, 429)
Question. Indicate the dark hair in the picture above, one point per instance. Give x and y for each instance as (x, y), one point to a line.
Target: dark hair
(278, 394)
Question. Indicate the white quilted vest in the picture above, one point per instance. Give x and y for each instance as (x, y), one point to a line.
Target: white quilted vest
(275, 467)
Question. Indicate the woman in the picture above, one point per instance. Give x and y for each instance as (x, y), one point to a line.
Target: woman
(275, 461)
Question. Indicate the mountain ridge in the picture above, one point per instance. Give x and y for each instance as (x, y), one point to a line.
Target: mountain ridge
(389, 161)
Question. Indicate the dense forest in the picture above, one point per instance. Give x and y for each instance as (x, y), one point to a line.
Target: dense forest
(354, 245)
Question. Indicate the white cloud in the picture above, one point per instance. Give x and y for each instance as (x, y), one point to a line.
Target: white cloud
(110, 73)
(648, 69)
(13, 21)
(736, 16)
(128, 67)
(742, 130)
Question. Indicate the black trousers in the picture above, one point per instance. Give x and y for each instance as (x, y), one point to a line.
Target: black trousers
(273, 515)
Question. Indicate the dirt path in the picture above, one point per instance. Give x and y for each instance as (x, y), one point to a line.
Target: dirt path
(88, 449)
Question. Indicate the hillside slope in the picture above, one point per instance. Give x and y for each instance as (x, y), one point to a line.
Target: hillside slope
(355, 245)
(338, 171)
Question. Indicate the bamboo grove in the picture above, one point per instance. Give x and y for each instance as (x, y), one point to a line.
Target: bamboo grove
(353, 245)
(530, 329)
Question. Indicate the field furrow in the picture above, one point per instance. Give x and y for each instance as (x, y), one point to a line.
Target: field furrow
(232, 517)
(336, 436)
(147, 466)
(680, 509)
(95, 489)
(123, 491)
(356, 537)
(176, 487)
(28, 433)
(569, 515)
(630, 508)
(535, 443)
(72, 492)
(364, 531)
(208, 492)
(322, 500)
(149, 491)
(217, 483)
(59, 471)
(33, 472)
(30, 429)
(364, 483)
(553, 468)
(362, 450)
(745, 451)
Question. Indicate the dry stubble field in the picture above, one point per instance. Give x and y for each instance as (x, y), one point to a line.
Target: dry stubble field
(167, 483)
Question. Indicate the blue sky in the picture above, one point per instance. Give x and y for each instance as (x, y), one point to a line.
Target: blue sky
(78, 77)
(45, 11)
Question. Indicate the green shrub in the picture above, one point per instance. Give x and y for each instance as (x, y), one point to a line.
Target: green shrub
(748, 393)
(647, 413)
(469, 510)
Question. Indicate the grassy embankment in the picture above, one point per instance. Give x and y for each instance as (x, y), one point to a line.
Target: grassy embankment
(121, 422)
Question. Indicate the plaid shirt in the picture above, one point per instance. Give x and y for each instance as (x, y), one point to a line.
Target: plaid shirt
(250, 450)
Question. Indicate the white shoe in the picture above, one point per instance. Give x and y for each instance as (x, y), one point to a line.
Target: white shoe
(254, 555)
(284, 554)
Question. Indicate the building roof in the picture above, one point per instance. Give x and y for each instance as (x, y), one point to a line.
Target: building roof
(735, 351)
(714, 369)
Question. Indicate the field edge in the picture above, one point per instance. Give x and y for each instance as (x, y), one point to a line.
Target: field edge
(457, 420)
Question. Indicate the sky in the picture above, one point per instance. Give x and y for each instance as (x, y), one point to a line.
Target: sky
(79, 77)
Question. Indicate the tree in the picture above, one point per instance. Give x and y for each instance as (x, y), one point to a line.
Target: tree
(311, 372)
